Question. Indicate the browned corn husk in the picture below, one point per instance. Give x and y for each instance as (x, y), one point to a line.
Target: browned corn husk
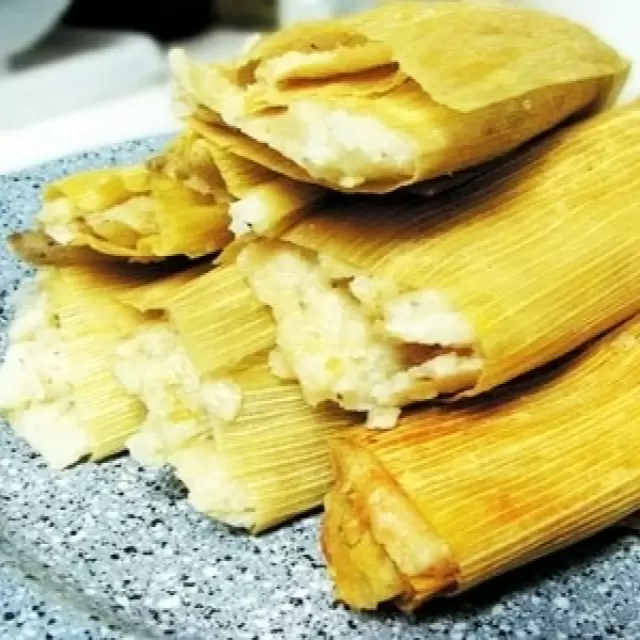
(454, 497)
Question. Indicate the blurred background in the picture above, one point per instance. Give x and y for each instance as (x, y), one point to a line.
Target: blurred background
(76, 74)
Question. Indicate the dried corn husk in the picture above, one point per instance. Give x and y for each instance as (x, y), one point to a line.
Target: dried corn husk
(220, 321)
(269, 464)
(57, 388)
(378, 100)
(454, 497)
(176, 204)
(515, 269)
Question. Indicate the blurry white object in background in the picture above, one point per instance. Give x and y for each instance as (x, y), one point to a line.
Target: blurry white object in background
(24, 22)
(615, 21)
(73, 68)
(143, 111)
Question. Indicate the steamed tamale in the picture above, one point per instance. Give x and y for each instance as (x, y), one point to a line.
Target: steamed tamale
(455, 496)
(381, 302)
(374, 101)
(141, 212)
(178, 360)
(56, 384)
(250, 450)
(270, 463)
(189, 200)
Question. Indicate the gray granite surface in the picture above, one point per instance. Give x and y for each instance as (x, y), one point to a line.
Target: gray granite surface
(113, 550)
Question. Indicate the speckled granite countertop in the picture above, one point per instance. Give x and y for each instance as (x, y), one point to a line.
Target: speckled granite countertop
(113, 551)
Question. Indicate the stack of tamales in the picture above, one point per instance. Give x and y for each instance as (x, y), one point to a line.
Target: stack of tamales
(362, 227)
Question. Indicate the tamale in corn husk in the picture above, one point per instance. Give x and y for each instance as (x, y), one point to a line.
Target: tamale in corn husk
(151, 218)
(56, 385)
(455, 496)
(382, 99)
(270, 463)
(381, 302)
(178, 203)
(201, 330)
(250, 450)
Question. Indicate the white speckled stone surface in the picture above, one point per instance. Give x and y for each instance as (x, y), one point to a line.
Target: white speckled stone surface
(113, 551)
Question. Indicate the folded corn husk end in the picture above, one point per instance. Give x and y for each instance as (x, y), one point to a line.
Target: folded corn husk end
(501, 481)
(399, 547)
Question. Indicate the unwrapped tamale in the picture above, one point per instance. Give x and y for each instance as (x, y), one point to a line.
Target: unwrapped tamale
(384, 301)
(457, 495)
(382, 99)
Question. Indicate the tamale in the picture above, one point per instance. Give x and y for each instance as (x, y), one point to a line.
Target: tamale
(381, 302)
(250, 450)
(267, 465)
(155, 218)
(56, 385)
(455, 496)
(177, 204)
(201, 329)
(378, 100)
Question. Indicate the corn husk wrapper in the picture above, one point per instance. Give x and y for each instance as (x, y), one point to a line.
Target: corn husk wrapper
(177, 204)
(394, 67)
(267, 466)
(58, 390)
(538, 256)
(151, 219)
(252, 464)
(454, 497)
(220, 322)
